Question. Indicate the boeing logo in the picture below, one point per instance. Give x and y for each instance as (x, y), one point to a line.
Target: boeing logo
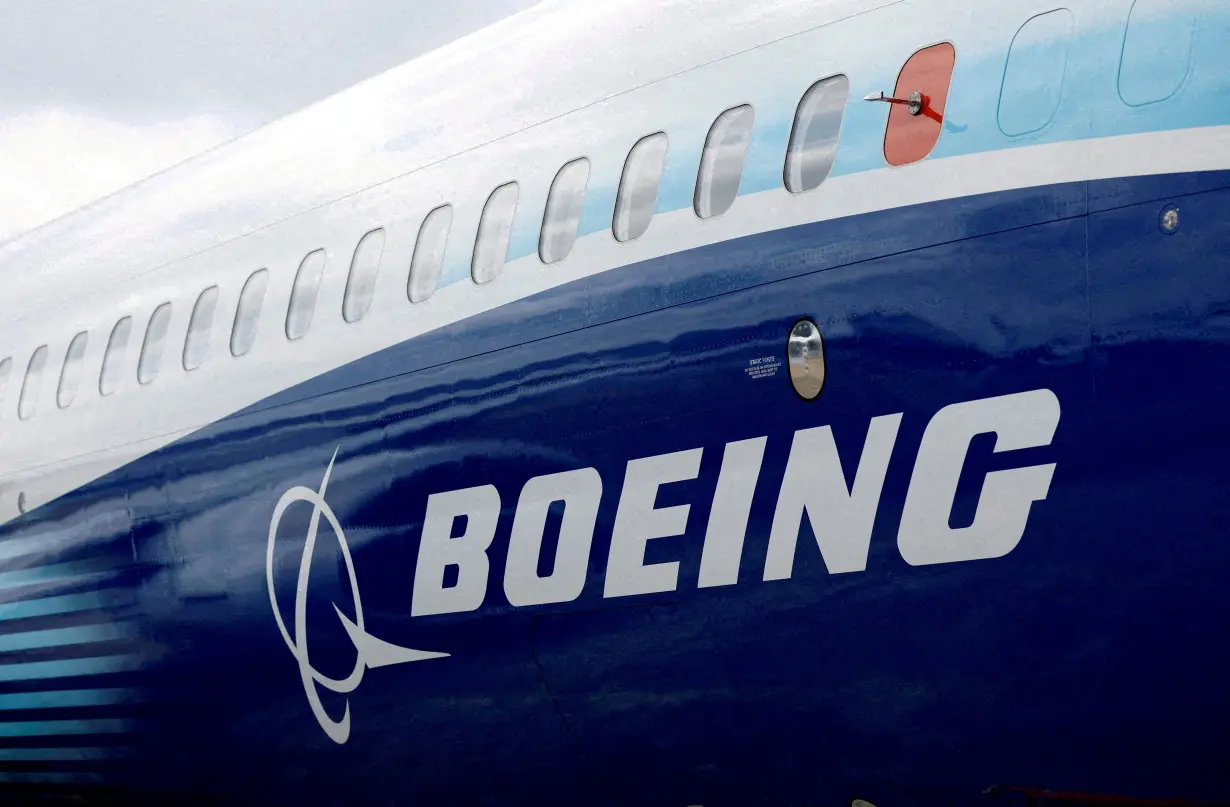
(813, 486)
(372, 652)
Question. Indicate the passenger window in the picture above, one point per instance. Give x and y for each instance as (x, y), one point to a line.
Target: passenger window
(816, 131)
(28, 403)
(6, 369)
(151, 348)
(910, 138)
(563, 216)
(200, 328)
(1034, 75)
(494, 229)
(303, 294)
(361, 283)
(428, 260)
(113, 361)
(638, 188)
(247, 315)
(1157, 50)
(70, 374)
(721, 163)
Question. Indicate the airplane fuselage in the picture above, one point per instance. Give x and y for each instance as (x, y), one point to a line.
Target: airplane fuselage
(578, 415)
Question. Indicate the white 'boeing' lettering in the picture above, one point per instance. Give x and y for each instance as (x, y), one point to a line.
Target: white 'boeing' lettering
(814, 485)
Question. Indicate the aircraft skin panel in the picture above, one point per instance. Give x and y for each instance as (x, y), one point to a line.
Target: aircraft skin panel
(573, 536)
(102, 433)
(817, 683)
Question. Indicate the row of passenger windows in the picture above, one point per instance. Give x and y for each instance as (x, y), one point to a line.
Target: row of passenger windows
(809, 159)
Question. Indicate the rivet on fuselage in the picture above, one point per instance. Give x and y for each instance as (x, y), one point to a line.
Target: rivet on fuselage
(1170, 220)
(21, 502)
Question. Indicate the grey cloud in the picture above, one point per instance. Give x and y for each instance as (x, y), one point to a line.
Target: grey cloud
(249, 61)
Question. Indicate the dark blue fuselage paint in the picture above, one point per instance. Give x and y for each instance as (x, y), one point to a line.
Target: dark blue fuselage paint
(1092, 657)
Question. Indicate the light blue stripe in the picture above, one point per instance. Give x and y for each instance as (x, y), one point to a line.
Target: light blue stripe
(59, 637)
(50, 539)
(61, 754)
(48, 778)
(47, 574)
(53, 728)
(17, 547)
(63, 604)
(67, 698)
(64, 668)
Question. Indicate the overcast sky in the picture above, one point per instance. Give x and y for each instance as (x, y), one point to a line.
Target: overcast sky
(97, 95)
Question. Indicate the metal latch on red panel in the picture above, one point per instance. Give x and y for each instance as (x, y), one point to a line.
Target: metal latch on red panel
(914, 104)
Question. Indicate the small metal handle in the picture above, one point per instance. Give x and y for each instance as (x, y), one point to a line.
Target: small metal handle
(914, 104)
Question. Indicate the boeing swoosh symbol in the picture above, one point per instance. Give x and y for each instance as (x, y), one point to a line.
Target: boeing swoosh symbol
(371, 651)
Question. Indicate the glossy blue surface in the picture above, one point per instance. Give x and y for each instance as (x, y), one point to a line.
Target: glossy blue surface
(1090, 658)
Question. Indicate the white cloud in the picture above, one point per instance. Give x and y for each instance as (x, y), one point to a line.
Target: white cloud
(53, 161)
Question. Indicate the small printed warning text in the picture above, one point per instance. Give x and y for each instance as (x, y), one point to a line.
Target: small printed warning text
(764, 367)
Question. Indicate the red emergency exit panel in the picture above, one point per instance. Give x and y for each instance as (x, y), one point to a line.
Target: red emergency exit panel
(910, 138)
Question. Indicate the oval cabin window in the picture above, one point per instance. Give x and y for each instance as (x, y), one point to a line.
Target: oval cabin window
(247, 315)
(563, 217)
(428, 260)
(113, 360)
(200, 328)
(303, 294)
(6, 369)
(31, 386)
(814, 136)
(1157, 50)
(721, 163)
(70, 374)
(361, 284)
(155, 339)
(638, 187)
(1034, 76)
(494, 230)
